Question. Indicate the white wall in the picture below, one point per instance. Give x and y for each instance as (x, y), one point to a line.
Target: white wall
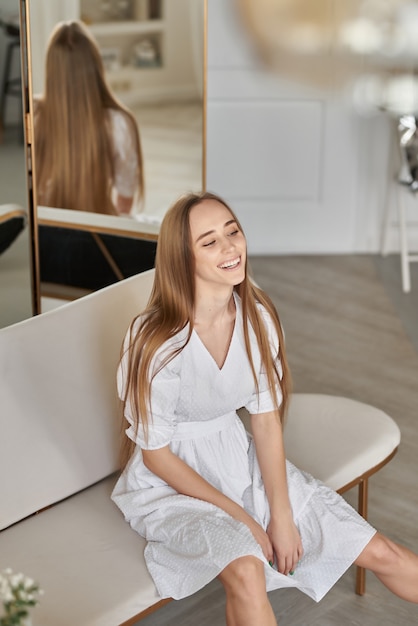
(176, 79)
(304, 171)
(44, 14)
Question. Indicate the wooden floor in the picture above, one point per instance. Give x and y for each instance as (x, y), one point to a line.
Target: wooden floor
(344, 337)
(172, 146)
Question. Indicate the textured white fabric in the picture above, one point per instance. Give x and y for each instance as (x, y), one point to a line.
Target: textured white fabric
(194, 405)
(124, 154)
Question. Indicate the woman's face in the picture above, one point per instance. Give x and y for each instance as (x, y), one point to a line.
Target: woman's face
(219, 247)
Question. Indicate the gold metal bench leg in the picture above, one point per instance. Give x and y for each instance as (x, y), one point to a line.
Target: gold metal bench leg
(363, 493)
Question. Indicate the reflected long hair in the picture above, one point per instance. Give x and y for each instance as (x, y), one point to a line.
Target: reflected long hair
(73, 138)
(171, 308)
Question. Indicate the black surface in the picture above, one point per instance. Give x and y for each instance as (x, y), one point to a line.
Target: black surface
(73, 258)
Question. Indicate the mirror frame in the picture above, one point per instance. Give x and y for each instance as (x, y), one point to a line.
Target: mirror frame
(26, 73)
(82, 225)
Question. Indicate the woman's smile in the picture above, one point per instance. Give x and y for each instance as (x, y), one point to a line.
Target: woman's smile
(230, 265)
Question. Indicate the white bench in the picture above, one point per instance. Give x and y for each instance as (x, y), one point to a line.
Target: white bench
(59, 443)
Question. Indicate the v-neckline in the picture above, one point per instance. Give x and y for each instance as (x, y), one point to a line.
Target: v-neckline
(212, 358)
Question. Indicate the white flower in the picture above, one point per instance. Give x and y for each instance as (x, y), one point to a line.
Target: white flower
(16, 580)
(8, 597)
(17, 593)
(5, 588)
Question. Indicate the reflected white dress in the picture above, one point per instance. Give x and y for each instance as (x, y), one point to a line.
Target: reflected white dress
(125, 155)
(189, 541)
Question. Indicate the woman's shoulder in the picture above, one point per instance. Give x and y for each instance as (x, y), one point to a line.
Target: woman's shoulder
(265, 314)
(261, 308)
(139, 321)
(170, 345)
(259, 305)
(120, 121)
(269, 320)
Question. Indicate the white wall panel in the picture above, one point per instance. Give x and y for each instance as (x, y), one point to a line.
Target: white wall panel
(228, 44)
(269, 149)
(303, 170)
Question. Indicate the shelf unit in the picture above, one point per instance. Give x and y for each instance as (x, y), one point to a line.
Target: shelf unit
(131, 73)
(127, 27)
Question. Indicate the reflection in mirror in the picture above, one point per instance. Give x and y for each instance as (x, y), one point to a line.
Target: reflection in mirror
(80, 252)
(87, 145)
(15, 285)
(153, 55)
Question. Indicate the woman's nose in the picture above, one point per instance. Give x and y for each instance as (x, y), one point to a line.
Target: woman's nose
(229, 243)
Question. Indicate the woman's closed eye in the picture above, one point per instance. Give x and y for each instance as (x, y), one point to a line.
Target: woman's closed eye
(212, 242)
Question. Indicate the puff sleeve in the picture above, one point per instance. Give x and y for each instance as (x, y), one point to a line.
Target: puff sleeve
(125, 155)
(262, 401)
(165, 390)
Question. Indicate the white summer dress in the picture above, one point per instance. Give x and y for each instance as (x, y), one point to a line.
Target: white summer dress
(189, 541)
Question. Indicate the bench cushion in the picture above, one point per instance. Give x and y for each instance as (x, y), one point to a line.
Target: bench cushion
(337, 439)
(86, 558)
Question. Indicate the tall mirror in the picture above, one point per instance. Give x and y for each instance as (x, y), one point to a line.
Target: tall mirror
(15, 274)
(152, 53)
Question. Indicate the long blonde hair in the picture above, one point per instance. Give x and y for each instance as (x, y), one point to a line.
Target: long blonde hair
(73, 143)
(170, 308)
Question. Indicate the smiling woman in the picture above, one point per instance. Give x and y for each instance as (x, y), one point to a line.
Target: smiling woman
(211, 499)
(219, 246)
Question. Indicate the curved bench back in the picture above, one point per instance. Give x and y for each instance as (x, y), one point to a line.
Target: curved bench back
(58, 404)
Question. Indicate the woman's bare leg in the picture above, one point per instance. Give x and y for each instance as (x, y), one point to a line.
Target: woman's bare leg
(395, 566)
(247, 603)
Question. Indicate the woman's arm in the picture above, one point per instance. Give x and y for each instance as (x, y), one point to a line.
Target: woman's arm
(186, 481)
(124, 204)
(126, 159)
(268, 439)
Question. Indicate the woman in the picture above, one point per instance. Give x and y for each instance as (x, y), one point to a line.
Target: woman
(87, 147)
(211, 500)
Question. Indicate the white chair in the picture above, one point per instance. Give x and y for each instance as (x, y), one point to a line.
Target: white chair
(405, 132)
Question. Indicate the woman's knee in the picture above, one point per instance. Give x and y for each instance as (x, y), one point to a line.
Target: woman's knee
(244, 576)
(380, 555)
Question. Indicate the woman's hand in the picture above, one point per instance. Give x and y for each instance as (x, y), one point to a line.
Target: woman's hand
(286, 542)
(261, 537)
(124, 205)
(282, 531)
